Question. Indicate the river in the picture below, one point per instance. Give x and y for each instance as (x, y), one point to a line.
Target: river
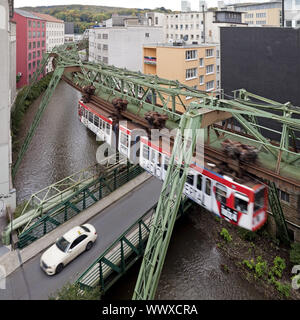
(62, 146)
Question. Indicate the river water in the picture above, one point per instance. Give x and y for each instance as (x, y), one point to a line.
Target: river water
(62, 146)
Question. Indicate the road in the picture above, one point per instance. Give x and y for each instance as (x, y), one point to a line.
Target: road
(29, 282)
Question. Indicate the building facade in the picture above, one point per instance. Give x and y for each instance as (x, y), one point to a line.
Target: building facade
(265, 61)
(292, 13)
(195, 65)
(55, 34)
(122, 46)
(7, 97)
(260, 14)
(31, 44)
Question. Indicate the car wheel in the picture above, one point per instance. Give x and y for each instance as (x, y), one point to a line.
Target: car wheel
(89, 246)
(59, 268)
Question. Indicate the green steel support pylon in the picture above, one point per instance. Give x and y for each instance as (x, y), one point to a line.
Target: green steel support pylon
(47, 96)
(276, 209)
(168, 205)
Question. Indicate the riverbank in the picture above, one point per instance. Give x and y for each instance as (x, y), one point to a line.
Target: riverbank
(256, 256)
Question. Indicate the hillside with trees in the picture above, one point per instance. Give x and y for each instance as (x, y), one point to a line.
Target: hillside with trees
(85, 16)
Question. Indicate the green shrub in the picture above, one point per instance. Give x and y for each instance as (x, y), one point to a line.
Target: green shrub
(249, 264)
(246, 234)
(225, 234)
(73, 292)
(278, 267)
(261, 268)
(283, 289)
(295, 253)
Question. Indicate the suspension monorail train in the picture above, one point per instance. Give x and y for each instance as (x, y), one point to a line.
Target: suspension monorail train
(240, 202)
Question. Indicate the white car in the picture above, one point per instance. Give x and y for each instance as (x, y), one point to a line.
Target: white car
(67, 248)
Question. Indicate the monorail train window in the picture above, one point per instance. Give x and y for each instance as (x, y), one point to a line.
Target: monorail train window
(208, 187)
(91, 117)
(241, 203)
(166, 163)
(152, 156)
(146, 152)
(159, 160)
(86, 113)
(221, 193)
(96, 121)
(124, 139)
(259, 199)
(108, 129)
(199, 182)
(190, 179)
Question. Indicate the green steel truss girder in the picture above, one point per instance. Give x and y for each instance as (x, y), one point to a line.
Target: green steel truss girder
(276, 209)
(168, 205)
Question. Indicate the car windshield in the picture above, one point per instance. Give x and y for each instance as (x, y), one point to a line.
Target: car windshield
(85, 229)
(62, 244)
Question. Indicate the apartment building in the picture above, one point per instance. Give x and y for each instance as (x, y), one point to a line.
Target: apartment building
(192, 65)
(292, 13)
(55, 34)
(7, 97)
(122, 45)
(31, 44)
(199, 27)
(260, 14)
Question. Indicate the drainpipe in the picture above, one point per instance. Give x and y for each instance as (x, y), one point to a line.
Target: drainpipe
(203, 23)
(282, 13)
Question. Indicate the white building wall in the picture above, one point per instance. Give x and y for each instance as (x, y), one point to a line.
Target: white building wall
(7, 194)
(55, 36)
(122, 47)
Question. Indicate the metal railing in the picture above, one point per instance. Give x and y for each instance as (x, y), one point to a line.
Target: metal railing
(78, 201)
(122, 253)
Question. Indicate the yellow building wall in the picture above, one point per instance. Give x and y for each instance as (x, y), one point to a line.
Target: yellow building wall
(272, 17)
(172, 65)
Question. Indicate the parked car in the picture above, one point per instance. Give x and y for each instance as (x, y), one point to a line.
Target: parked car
(67, 248)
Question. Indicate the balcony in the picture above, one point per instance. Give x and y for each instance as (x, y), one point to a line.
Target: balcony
(150, 60)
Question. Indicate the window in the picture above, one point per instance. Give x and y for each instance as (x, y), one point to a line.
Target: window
(105, 47)
(33, 34)
(33, 64)
(259, 199)
(78, 240)
(29, 34)
(288, 23)
(91, 117)
(156, 20)
(191, 73)
(33, 44)
(62, 244)
(210, 69)
(33, 24)
(43, 43)
(29, 56)
(38, 53)
(38, 44)
(29, 23)
(208, 186)
(221, 193)
(29, 66)
(105, 36)
(210, 85)
(201, 62)
(201, 79)
(29, 45)
(209, 53)
(284, 196)
(147, 35)
(146, 152)
(199, 182)
(43, 33)
(33, 55)
(241, 203)
(186, 27)
(166, 163)
(190, 179)
(218, 69)
(38, 24)
(105, 60)
(190, 54)
(38, 34)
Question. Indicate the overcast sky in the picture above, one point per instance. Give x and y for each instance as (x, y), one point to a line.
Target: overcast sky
(169, 4)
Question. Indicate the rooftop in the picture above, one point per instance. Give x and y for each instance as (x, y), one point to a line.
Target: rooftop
(181, 45)
(27, 14)
(47, 17)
